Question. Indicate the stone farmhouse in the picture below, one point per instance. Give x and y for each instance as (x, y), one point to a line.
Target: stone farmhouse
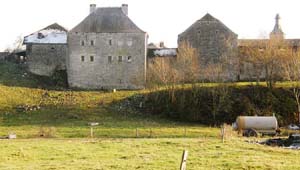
(46, 50)
(107, 50)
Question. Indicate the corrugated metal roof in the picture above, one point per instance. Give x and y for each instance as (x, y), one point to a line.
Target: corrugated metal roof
(52, 34)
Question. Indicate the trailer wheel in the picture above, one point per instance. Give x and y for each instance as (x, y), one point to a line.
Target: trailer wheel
(251, 133)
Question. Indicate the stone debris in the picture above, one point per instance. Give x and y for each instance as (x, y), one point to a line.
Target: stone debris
(293, 142)
(10, 136)
(26, 108)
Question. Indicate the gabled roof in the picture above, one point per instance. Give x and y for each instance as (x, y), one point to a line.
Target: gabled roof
(209, 17)
(56, 26)
(52, 34)
(203, 22)
(107, 20)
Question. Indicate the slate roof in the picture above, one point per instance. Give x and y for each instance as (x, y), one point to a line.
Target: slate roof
(107, 20)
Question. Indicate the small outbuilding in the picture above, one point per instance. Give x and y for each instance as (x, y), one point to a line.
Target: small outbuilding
(46, 50)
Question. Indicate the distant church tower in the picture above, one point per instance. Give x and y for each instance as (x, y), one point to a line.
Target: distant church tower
(277, 32)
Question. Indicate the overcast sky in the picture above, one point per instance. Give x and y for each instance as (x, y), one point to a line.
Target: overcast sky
(162, 19)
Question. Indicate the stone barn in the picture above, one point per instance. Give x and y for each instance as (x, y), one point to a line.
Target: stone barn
(212, 39)
(107, 51)
(46, 50)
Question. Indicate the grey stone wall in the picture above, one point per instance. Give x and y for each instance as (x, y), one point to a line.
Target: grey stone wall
(212, 41)
(215, 44)
(44, 60)
(115, 60)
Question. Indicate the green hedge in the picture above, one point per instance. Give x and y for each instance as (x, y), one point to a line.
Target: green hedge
(222, 104)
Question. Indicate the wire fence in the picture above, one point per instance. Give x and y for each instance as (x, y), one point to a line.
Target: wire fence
(101, 132)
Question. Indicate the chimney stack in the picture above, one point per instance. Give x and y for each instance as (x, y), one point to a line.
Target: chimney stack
(93, 8)
(125, 8)
(161, 44)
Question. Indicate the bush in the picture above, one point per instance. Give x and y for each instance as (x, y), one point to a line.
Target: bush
(221, 104)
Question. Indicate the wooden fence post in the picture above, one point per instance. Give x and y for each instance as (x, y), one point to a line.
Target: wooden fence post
(150, 133)
(136, 133)
(184, 159)
(223, 133)
(92, 132)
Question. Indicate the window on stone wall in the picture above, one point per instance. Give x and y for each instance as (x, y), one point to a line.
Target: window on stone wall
(52, 48)
(110, 42)
(82, 43)
(110, 59)
(92, 43)
(92, 58)
(129, 59)
(129, 43)
(120, 58)
(82, 58)
(217, 32)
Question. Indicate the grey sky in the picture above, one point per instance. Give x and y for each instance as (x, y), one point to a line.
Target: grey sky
(162, 19)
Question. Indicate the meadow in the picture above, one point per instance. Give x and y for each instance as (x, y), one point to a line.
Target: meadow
(144, 153)
(51, 124)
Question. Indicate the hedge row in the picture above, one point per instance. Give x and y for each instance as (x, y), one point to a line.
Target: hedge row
(222, 104)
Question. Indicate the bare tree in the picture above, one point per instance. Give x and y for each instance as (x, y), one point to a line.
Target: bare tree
(161, 72)
(171, 71)
(187, 63)
(217, 73)
(291, 71)
(265, 57)
(16, 46)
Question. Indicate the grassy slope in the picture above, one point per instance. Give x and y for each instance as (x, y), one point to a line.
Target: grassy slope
(64, 115)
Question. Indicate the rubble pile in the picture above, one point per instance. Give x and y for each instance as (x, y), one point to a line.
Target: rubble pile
(293, 142)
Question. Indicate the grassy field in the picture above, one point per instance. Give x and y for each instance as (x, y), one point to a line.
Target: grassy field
(53, 133)
(146, 154)
(31, 111)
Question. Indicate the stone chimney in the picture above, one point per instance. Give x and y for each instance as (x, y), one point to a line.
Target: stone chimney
(161, 44)
(125, 8)
(93, 8)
